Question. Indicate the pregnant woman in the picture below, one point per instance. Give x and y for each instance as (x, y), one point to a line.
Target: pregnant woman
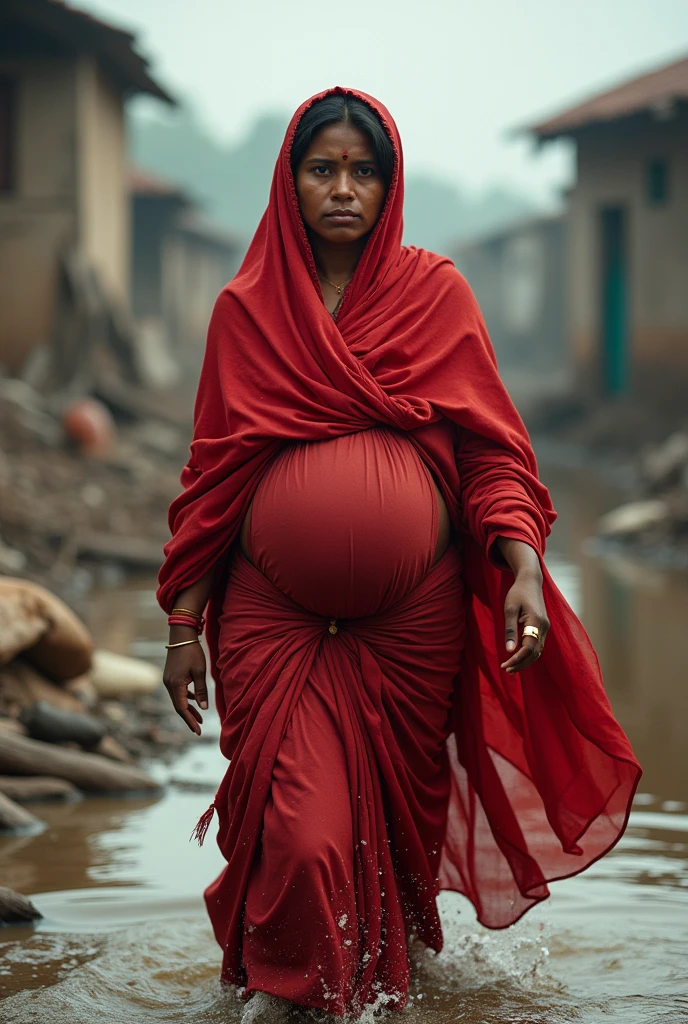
(363, 527)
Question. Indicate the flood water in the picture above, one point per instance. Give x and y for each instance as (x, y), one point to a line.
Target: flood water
(125, 939)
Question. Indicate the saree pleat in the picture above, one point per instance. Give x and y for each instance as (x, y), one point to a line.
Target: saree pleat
(380, 690)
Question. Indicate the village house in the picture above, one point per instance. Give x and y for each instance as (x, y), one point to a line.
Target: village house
(627, 237)
(179, 264)
(64, 170)
(517, 274)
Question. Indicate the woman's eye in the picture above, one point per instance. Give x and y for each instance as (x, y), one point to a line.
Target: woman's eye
(321, 169)
(366, 172)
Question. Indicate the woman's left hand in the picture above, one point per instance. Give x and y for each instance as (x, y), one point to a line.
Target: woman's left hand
(524, 606)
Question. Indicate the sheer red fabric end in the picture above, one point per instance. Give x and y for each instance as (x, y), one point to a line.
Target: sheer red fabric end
(542, 776)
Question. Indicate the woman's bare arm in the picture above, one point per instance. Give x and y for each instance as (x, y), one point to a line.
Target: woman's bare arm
(186, 666)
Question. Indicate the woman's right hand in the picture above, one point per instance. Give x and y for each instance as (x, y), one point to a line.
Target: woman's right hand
(186, 667)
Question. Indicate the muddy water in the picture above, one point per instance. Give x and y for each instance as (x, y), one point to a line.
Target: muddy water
(125, 939)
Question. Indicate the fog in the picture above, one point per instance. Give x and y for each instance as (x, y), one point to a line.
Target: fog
(457, 75)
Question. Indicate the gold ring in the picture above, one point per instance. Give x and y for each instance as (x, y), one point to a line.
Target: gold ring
(531, 631)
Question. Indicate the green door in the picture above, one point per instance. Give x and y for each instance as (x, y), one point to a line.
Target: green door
(614, 300)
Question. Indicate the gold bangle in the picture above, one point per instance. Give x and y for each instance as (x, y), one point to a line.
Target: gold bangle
(187, 611)
(182, 644)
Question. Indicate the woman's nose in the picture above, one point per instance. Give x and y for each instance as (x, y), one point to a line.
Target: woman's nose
(342, 187)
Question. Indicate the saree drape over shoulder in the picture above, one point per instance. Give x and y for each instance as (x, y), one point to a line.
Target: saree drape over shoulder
(377, 752)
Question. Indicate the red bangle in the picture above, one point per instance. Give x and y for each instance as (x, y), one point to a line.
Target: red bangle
(187, 620)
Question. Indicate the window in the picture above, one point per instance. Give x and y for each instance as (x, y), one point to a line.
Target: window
(657, 182)
(7, 128)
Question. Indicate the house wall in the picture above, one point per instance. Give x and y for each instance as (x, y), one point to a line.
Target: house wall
(101, 155)
(518, 280)
(193, 274)
(612, 169)
(69, 187)
(38, 217)
(153, 219)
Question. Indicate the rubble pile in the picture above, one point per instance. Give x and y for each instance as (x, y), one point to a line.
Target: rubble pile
(656, 525)
(60, 506)
(72, 720)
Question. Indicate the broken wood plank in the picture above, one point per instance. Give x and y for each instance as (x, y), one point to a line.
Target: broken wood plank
(90, 772)
(24, 788)
(15, 908)
(14, 818)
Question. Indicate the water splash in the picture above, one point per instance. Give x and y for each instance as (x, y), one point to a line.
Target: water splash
(166, 971)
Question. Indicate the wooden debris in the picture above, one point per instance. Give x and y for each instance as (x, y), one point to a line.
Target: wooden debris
(12, 725)
(83, 689)
(135, 552)
(14, 818)
(24, 788)
(90, 772)
(109, 747)
(631, 519)
(21, 685)
(15, 908)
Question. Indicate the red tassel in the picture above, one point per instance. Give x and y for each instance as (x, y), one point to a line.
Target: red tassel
(203, 825)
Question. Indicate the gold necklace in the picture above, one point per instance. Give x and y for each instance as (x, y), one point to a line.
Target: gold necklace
(339, 288)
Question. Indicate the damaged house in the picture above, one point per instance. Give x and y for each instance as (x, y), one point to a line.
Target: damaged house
(627, 238)
(65, 208)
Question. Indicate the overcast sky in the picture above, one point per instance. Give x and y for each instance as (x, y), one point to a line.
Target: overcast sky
(456, 74)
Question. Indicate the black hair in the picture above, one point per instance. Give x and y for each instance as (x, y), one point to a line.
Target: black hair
(338, 109)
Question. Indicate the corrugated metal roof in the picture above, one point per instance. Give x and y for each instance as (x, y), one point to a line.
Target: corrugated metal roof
(656, 91)
(79, 32)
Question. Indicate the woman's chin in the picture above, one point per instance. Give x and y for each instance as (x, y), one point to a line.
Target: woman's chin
(340, 233)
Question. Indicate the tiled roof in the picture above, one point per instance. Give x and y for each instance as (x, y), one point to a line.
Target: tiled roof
(656, 91)
(79, 32)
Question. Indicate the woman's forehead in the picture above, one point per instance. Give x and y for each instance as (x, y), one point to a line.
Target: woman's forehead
(335, 138)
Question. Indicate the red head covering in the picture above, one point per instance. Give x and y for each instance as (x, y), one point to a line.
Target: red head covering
(409, 349)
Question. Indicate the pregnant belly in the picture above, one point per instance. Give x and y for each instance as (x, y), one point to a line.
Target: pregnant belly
(347, 526)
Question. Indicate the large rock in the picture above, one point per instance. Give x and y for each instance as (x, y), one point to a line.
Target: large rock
(22, 622)
(35, 623)
(55, 725)
(114, 675)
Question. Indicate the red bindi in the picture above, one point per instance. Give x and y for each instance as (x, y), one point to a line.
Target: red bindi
(345, 155)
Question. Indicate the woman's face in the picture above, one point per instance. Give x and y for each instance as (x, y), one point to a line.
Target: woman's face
(340, 189)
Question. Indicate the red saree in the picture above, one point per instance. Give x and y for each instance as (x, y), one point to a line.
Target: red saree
(372, 766)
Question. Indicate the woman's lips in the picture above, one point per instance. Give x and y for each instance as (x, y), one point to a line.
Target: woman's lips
(342, 216)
